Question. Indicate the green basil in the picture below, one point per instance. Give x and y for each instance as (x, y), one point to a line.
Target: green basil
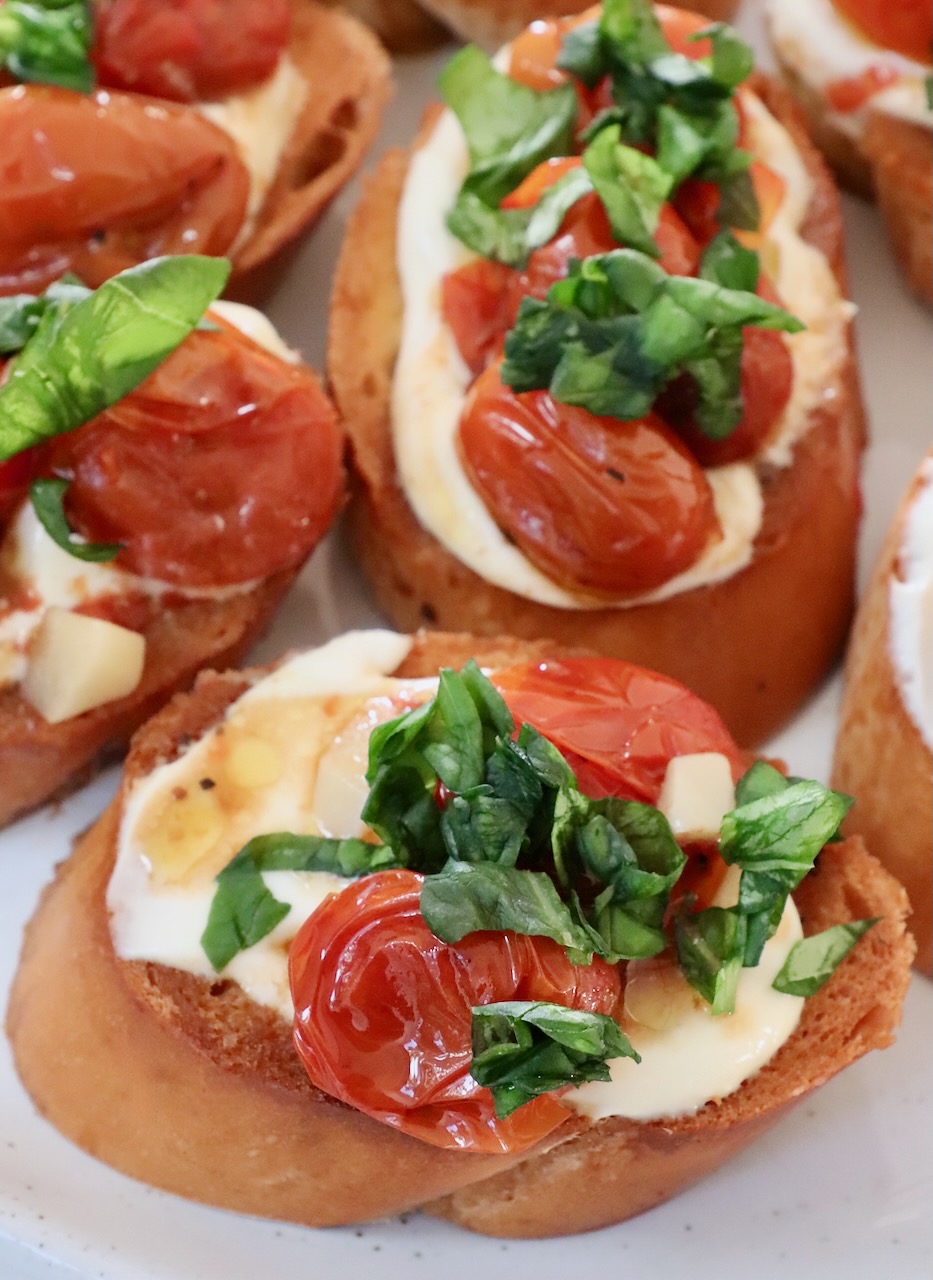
(86, 354)
(710, 951)
(510, 129)
(48, 42)
(523, 1049)
(243, 911)
(510, 235)
(21, 313)
(812, 961)
(780, 834)
(47, 497)
(631, 186)
(728, 263)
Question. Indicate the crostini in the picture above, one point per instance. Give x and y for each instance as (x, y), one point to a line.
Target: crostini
(163, 475)
(143, 129)
(861, 70)
(593, 456)
(352, 916)
(883, 749)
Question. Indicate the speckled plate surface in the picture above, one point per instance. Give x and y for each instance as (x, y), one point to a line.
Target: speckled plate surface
(842, 1189)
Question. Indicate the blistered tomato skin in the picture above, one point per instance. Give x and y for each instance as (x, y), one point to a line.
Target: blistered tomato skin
(94, 184)
(188, 50)
(383, 1013)
(222, 467)
(618, 724)
(596, 504)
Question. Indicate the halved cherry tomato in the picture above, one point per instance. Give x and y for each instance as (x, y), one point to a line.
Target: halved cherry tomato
(852, 92)
(98, 183)
(597, 504)
(382, 1012)
(618, 724)
(223, 466)
(188, 50)
(478, 306)
(903, 25)
(679, 26)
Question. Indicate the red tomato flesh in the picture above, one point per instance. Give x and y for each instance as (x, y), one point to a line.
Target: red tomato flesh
(189, 50)
(618, 724)
(905, 26)
(382, 1013)
(99, 183)
(223, 466)
(595, 503)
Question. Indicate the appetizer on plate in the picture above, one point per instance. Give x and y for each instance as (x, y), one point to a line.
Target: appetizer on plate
(163, 475)
(883, 749)
(861, 69)
(142, 128)
(492, 22)
(359, 935)
(591, 345)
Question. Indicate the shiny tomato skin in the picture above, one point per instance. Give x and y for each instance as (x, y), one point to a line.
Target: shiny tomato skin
(905, 26)
(222, 467)
(382, 1012)
(188, 50)
(618, 724)
(478, 306)
(98, 183)
(16, 475)
(596, 504)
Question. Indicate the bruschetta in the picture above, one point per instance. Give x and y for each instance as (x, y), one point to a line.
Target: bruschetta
(524, 457)
(143, 129)
(862, 71)
(883, 748)
(164, 476)
(466, 979)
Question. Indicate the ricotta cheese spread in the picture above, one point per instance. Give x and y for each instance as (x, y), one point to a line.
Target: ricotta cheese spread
(431, 379)
(910, 602)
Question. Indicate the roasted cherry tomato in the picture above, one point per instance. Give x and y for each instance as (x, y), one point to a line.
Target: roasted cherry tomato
(188, 50)
(852, 92)
(530, 190)
(223, 466)
(618, 724)
(382, 1012)
(478, 306)
(16, 475)
(903, 25)
(96, 184)
(597, 504)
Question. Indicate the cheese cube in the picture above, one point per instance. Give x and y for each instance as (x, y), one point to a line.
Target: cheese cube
(696, 795)
(77, 663)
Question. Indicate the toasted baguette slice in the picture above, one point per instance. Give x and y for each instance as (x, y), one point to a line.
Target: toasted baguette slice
(402, 25)
(881, 757)
(189, 1085)
(900, 155)
(491, 23)
(349, 83)
(741, 644)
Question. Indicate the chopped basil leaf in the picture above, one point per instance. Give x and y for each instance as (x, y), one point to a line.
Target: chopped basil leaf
(470, 898)
(523, 1049)
(732, 58)
(631, 186)
(738, 203)
(88, 353)
(510, 235)
(813, 961)
(243, 911)
(48, 43)
(582, 54)
(728, 263)
(509, 128)
(710, 949)
(20, 314)
(47, 497)
(761, 780)
(781, 833)
(612, 335)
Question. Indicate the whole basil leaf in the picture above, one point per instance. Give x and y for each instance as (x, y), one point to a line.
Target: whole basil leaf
(48, 43)
(47, 497)
(89, 354)
(523, 1049)
(813, 961)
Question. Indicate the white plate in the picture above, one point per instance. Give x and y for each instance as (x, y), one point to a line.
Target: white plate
(841, 1189)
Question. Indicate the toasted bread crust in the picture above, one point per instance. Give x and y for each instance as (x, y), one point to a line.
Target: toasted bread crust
(197, 1088)
(349, 81)
(492, 22)
(901, 158)
(880, 756)
(737, 643)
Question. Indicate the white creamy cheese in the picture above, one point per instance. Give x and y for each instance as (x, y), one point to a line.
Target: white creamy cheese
(31, 562)
(822, 47)
(431, 379)
(272, 764)
(910, 602)
(696, 794)
(261, 122)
